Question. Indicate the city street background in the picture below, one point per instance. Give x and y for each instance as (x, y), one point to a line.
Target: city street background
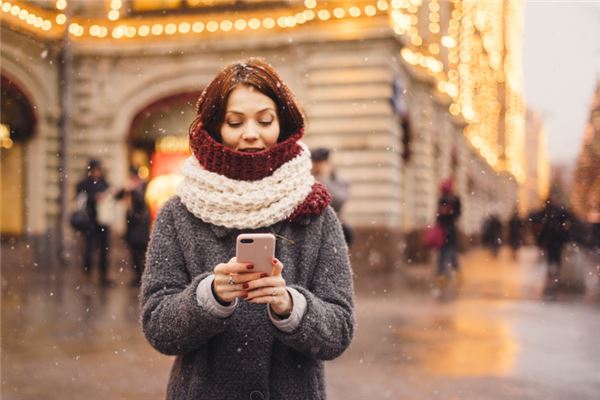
(495, 337)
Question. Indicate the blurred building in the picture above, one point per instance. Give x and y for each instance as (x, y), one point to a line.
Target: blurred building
(586, 186)
(407, 93)
(534, 189)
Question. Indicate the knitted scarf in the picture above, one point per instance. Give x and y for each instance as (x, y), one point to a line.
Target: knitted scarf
(239, 190)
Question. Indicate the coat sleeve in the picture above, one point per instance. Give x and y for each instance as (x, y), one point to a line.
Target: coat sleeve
(173, 320)
(327, 327)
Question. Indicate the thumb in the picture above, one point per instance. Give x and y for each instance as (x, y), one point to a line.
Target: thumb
(277, 267)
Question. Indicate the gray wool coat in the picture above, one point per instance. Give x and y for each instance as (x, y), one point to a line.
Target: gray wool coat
(244, 356)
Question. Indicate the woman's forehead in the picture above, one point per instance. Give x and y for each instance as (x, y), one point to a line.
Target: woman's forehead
(244, 98)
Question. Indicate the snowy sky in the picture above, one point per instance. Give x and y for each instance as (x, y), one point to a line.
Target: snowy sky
(561, 63)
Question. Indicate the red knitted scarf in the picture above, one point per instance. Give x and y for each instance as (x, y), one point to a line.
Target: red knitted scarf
(233, 164)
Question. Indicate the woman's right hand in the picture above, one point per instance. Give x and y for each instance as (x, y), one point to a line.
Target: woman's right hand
(231, 280)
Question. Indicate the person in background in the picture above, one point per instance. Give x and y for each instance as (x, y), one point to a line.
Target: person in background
(237, 333)
(324, 172)
(95, 186)
(448, 212)
(557, 223)
(515, 232)
(137, 232)
(491, 233)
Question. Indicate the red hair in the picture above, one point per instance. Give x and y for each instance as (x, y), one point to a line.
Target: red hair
(258, 74)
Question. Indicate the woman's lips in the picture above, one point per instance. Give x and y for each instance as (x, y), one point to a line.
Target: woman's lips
(251, 150)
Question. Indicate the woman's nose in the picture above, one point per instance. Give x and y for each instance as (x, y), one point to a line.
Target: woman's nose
(251, 132)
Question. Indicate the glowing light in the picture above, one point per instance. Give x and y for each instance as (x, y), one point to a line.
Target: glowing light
(113, 15)
(157, 29)
(416, 40)
(61, 4)
(448, 41)
(354, 12)
(370, 11)
(382, 5)
(339, 13)
(254, 23)
(118, 32)
(212, 26)
(6, 7)
(241, 24)
(310, 3)
(61, 19)
(170, 29)
(323, 15)
(130, 31)
(226, 25)
(184, 27)
(268, 23)
(144, 30)
(308, 14)
(197, 27)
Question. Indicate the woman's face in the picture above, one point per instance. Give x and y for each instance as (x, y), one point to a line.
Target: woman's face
(251, 123)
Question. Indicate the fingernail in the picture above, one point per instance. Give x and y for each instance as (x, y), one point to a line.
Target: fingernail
(263, 275)
(245, 286)
(274, 261)
(249, 266)
(244, 295)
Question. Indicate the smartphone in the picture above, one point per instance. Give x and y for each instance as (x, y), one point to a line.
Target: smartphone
(258, 249)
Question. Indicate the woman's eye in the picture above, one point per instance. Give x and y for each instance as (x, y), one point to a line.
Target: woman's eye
(266, 123)
(234, 124)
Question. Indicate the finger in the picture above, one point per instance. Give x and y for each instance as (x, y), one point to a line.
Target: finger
(231, 296)
(265, 291)
(233, 268)
(270, 281)
(277, 267)
(270, 299)
(247, 276)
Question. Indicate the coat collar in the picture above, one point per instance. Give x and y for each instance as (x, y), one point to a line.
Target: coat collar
(222, 232)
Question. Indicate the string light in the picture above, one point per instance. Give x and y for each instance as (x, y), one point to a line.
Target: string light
(467, 55)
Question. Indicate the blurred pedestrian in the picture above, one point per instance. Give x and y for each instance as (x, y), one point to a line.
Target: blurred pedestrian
(137, 232)
(556, 226)
(97, 234)
(323, 171)
(515, 232)
(448, 212)
(239, 334)
(491, 234)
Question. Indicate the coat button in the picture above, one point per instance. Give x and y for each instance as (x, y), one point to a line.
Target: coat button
(257, 395)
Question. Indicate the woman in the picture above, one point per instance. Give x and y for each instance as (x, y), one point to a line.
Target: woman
(239, 334)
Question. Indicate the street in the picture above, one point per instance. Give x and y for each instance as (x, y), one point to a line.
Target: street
(494, 337)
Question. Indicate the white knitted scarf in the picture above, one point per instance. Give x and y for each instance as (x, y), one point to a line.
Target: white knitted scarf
(231, 203)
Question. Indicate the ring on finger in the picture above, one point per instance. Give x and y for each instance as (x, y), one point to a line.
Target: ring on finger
(273, 295)
(231, 281)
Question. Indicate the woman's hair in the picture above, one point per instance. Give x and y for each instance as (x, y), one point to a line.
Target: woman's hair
(255, 73)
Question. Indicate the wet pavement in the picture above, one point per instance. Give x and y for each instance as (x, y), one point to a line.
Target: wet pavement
(496, 336)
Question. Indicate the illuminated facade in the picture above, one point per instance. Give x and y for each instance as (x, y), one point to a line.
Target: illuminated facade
(407, 93)
(536, 186)
(586, 189)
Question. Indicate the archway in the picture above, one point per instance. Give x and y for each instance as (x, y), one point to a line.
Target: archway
(158, 144)
(18, 124)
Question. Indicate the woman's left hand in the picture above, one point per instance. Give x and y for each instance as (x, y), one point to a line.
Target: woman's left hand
(271, 290)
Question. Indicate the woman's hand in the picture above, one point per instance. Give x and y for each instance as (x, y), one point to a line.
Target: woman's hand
(271, 290)
(231, 280)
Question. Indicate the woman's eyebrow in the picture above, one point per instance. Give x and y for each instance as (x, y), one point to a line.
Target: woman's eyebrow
(258, 112)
